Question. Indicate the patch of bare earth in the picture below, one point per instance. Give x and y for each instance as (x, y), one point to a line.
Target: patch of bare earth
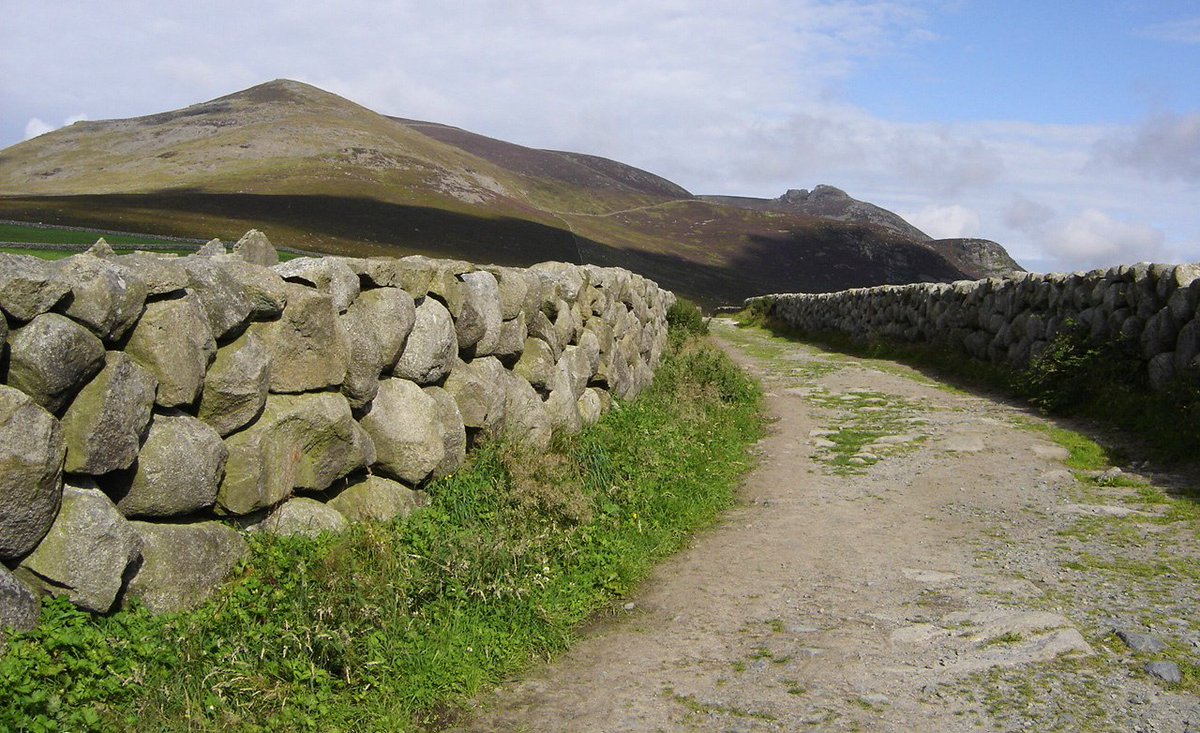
(904, 558)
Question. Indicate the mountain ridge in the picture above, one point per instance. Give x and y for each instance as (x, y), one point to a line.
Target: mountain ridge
(323, 173)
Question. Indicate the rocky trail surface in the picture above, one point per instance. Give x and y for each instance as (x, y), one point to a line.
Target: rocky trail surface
(906, 557)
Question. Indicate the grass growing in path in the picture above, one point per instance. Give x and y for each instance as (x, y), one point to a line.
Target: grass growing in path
(387, 627)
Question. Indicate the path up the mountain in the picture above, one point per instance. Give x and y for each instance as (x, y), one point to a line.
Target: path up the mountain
(904, 557)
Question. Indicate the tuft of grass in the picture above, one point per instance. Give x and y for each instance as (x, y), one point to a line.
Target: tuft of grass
(389, 626)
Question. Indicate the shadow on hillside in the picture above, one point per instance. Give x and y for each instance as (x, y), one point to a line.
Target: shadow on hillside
(819, 260)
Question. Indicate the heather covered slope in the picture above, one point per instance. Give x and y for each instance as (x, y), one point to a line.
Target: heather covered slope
(318, 172)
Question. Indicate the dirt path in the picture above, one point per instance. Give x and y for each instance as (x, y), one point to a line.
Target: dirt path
(905, 558)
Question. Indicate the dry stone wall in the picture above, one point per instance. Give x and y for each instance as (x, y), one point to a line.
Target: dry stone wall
(153, 408)
(1013, 319)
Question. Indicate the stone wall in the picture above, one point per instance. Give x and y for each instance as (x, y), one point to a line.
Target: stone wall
(1013, 319)
(154, 408)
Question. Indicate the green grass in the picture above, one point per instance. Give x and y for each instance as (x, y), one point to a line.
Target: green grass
(41, 235)
(388, 627)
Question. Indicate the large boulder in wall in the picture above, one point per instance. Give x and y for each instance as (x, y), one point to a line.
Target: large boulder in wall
(29, 286)
(104, 296)
(328, 275)
(86, 551)
(377, 499)
(255, 248)
(236, 385)
(175, 343)
(303, 517)
(431, 347)
(31, 460)
(225, 302)
(178, 470)
(526, 419)
(478, 388)
(376, 324)
(405, 424)
(182, 564)
(104, 424)
(454, 433)
(19, 607)
(51, 358)
(482, 291)
(307, 345)
(304, 441)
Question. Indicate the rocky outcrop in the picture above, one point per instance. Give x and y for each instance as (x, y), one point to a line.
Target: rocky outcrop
(195, 395)
(1013, 319)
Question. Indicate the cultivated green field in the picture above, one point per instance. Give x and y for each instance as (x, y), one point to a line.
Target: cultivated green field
(40, 235)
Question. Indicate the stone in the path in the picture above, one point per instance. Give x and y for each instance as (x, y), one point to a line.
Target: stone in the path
(1139, 642)
(963, 443)
(86, 551)
(924, 575)
(31, 460)
(1166, 671)
(182, 564)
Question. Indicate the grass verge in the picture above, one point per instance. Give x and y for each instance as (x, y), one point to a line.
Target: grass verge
(388, 627)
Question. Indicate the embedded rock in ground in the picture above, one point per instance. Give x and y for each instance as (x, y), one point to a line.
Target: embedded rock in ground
(1139, 642)
(307, 344)
(526, 419)
(377, 499)
(174, 342)
(327, 274)
(19, 607)
(537, 363)
(255, 248)
(31, 459)
(405, 425)
(235, 387)
(51, 358)
(182, 564)
(478, 388)
(86, 551)
(29, 286)
(482, 291)
(304, 441)
(161, 274)
(589, 408)
(1166, 671)
(300, 516)
(103, 426)
(454, 433)
(104, 296)
(265, 290)
(178, 470)
(392, 313)
(431, 347)
(224, 300)
(563, 407)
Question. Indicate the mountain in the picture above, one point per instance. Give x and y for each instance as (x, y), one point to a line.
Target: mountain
(319, 172)
(975, 257)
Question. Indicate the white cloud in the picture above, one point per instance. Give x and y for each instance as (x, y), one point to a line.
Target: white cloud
(1165, 146)
(36, 127)
(1093, 238)
(946, 222)
(1186, 30)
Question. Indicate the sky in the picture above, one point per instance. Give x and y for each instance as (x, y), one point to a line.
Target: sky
(1066, 130)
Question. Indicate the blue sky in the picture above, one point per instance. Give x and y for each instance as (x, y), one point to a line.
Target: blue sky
(1068, 131)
